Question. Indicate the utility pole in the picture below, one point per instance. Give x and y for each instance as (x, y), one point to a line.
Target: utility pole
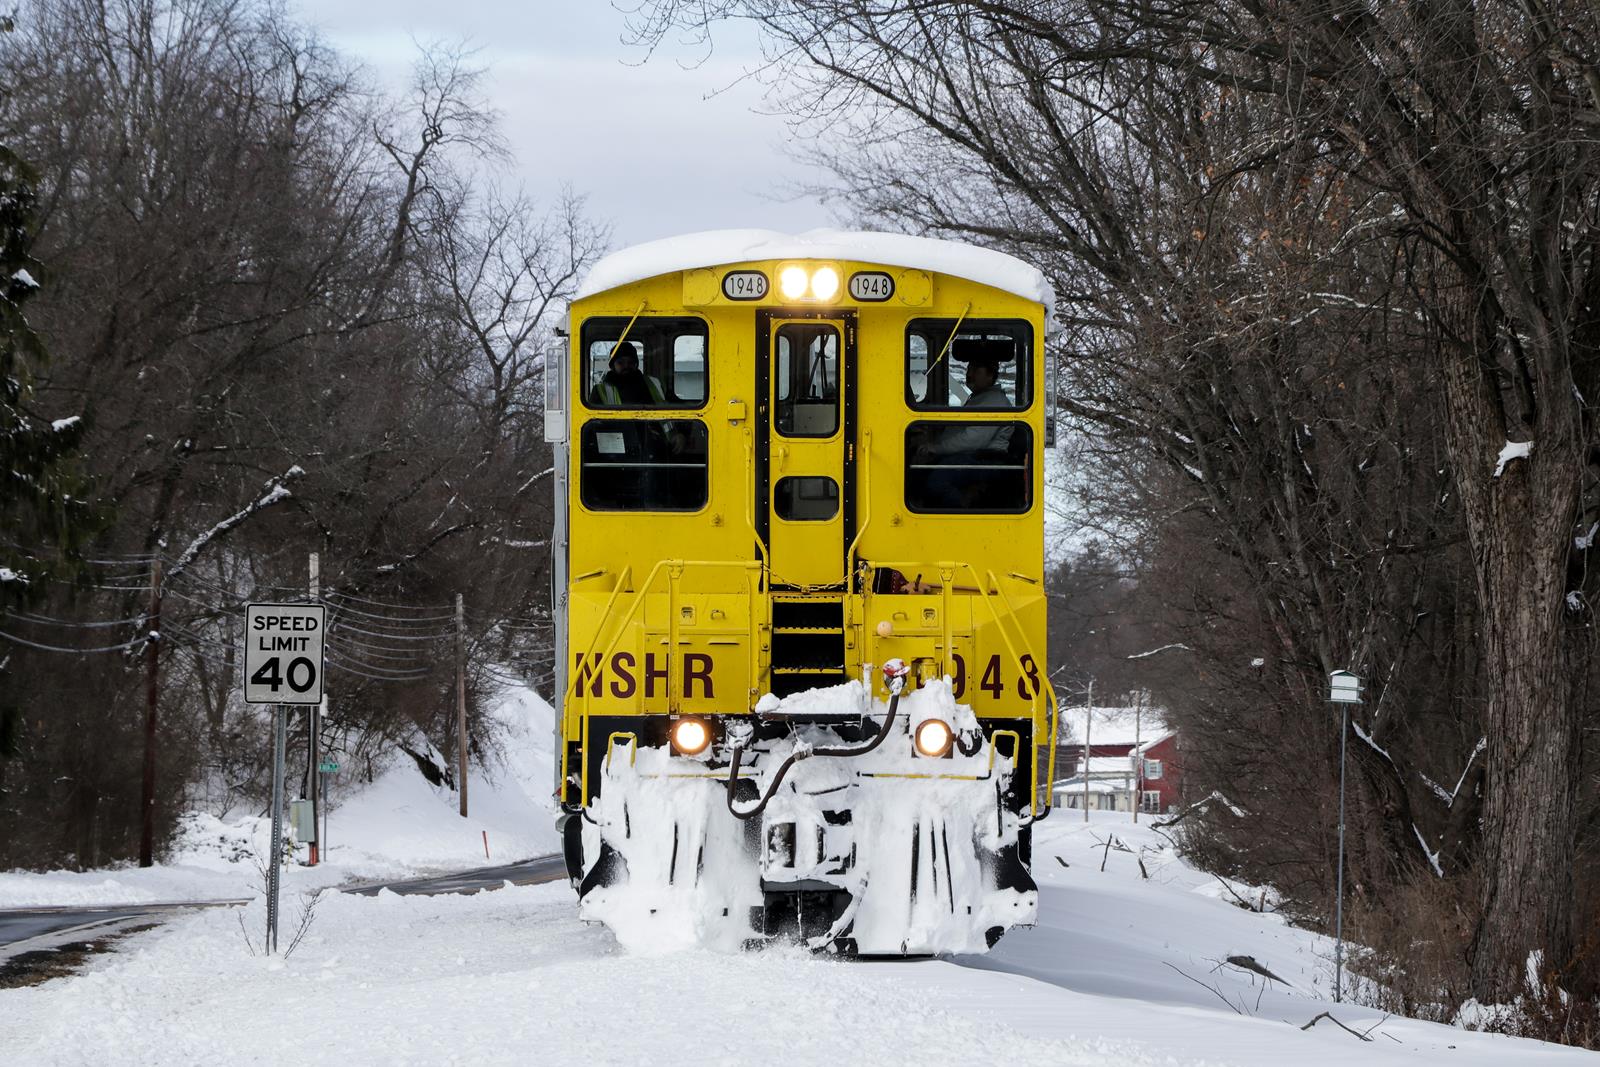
(314, 731)
(152, 696)
(461, 701)
(1088, 718)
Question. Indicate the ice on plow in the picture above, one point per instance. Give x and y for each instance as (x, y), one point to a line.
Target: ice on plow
(861, 847)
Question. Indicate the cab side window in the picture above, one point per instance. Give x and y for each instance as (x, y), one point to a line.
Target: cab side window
(644, 362)
(973, 363)
(960, 467)
(642, 465)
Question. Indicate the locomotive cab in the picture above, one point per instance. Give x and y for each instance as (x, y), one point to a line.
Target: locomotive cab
(799, 591)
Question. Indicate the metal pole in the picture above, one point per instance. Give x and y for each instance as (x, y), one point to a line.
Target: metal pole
(461, 701)
(1338, 912)
(1138, 756)
(152, 695)
(280, 728)
(314, 731)
(1088, 718)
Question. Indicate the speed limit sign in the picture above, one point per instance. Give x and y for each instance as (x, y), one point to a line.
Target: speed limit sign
(283, 653)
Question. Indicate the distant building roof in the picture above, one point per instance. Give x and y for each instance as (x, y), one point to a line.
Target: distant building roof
(1075, 785)
(1117, 726)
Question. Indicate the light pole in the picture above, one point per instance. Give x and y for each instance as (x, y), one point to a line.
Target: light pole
(1344, 689)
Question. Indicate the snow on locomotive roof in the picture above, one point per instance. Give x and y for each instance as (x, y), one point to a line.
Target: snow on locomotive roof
(717, 247)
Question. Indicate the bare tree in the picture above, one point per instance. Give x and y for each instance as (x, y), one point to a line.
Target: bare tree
(1428, 178)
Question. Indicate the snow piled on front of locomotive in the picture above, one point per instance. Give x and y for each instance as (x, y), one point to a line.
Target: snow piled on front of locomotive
(914, 855)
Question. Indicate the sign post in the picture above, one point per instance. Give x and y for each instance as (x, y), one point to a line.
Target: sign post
(1344, 689)
(280, 716)
(282, 666)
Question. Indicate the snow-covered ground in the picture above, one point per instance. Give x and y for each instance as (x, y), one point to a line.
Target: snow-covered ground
(396, 826)
(1122, 968)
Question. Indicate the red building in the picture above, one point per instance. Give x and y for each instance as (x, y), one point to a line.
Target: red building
(1134, 757)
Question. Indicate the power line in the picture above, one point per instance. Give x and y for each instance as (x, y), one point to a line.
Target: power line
(393, 637)
(402, 620)
(377, 653)
(338, 664)
(382, 604)
(48, 620)
(14, 639)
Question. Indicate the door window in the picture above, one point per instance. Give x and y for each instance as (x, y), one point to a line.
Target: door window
(806, 499)
(806, 379)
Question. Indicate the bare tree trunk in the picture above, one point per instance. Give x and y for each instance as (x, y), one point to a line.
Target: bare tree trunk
(1520, 515)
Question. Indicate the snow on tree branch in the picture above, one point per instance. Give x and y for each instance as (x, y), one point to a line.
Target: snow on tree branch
(276, 492)
(1163, 648)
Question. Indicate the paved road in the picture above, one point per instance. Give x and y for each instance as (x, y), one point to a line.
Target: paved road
(36, 929)
(536, 871)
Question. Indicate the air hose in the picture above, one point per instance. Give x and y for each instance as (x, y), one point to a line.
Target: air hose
(894, 673)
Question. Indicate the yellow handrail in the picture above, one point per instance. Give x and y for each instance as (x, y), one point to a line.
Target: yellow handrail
(633, 746)
(566, 696)
(947, 573)
(586, 695)
(866, 498)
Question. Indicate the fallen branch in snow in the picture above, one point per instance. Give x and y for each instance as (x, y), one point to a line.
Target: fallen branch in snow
(1111, 842)
(1063, 862)
(1259, 908)
(1249, 963)
(1329, 1016)
(1219, 994)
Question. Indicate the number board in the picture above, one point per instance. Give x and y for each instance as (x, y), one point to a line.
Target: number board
(744, 285)
(283, 653)
(871, 285)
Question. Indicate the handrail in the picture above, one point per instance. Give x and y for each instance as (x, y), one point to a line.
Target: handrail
(633, 746)
(947, 572)
(866, 496)
(750, 499)
(586, 695)
(1044, 684)
(566, 697)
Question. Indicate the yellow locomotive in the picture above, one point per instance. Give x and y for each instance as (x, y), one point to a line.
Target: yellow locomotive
(799, 591)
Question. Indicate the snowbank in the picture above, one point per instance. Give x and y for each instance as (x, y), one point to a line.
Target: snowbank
(397, 826)
(1120, 970)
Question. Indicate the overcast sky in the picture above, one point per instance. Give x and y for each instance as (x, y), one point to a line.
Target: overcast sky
(654, 145)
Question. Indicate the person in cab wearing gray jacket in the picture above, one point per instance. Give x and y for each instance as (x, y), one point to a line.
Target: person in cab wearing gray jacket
(984, 391)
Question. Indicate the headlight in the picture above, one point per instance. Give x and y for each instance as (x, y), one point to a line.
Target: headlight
(933, 738)
(793, 282)
(690, 736)
(825, 283)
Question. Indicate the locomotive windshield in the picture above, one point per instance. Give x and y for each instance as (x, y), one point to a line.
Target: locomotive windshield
(938, 365)
(645, 362)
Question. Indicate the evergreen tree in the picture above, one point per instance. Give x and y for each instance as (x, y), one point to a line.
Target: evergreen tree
(45, 511)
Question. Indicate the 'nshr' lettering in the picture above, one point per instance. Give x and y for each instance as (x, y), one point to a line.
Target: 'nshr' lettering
(652, 672)
(619, 676)
(623, 685)
(696, 667)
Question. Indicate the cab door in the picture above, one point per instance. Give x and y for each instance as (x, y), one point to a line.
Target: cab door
(806, 465)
